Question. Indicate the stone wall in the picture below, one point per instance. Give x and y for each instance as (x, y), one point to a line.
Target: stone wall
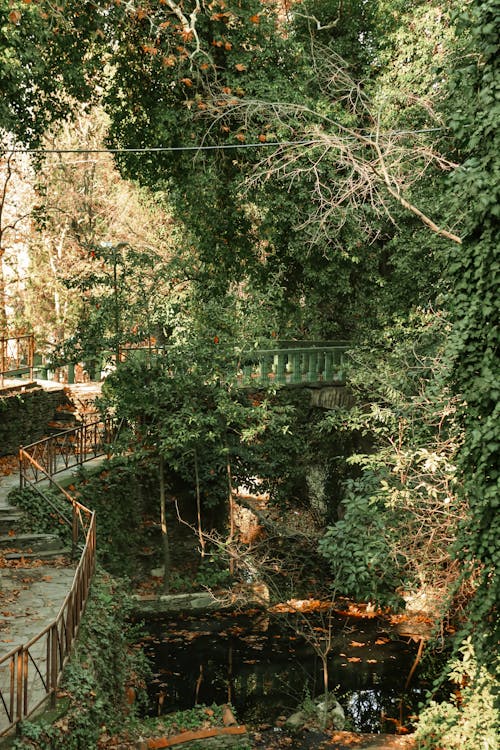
(24, 414)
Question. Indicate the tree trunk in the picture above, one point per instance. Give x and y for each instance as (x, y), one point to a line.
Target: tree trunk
(3, 301)
(231, 511)
(198, 505)
(324, 663)
(164, 531)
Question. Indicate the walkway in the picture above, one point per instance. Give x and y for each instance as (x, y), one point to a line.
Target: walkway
(32, 591)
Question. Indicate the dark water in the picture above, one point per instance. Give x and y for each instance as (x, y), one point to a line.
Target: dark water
(265, 671)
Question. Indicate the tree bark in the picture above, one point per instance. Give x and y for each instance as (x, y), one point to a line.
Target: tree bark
(164, 530)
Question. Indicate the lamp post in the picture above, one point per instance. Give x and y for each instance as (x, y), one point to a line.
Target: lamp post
(115, 252)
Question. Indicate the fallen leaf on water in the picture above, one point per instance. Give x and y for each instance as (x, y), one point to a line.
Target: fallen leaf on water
(356, 644)
(353, 658)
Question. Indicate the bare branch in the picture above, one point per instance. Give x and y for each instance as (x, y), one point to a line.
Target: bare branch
(374, 166)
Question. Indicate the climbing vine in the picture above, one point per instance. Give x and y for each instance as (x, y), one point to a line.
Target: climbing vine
(475, 276)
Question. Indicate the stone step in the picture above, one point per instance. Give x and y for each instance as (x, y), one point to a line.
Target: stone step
(41, 555)
(9, 519)
(30, 542)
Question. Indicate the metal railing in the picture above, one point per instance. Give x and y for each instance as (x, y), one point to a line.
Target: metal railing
(34, 669)
(16, 356)
(65, 450)
(30, 673)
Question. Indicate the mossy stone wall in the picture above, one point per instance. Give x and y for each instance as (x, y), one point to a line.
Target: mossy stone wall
(24, 415)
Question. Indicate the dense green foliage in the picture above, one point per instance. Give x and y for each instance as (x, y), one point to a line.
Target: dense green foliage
(473, 357)
(47, 63)
(475, 275)
(403, 491)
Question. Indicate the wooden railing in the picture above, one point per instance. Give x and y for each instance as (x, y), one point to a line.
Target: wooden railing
(16, 356)
(30, 673)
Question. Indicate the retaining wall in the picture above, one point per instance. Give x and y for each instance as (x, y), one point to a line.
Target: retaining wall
(25, 412)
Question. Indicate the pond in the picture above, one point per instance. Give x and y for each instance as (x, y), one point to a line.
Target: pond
(265, 670)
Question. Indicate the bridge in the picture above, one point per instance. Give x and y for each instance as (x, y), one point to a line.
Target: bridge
(287, 363)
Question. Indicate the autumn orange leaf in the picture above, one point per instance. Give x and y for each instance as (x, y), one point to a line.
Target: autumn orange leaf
(356, 644)
(240, 67)
(255, 18)
(14, 16)
(186, 81)
(353, 659)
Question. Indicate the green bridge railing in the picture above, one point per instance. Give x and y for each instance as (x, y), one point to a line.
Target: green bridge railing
(288, 363)
(294, 365)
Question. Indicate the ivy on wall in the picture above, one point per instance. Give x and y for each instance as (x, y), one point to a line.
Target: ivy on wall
(24, 417)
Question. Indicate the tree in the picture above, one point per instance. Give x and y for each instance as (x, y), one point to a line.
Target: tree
(187, 412)
(49, 60)
(84, 210)
(473, 375)
(16, 201)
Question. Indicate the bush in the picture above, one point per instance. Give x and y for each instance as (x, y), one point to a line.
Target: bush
(471, 719)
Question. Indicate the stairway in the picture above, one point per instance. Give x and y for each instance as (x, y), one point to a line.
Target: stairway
(18, 544)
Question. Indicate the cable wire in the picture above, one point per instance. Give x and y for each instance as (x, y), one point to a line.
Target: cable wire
(214, 147)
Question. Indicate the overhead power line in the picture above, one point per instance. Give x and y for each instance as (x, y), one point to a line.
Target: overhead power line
(200, 147)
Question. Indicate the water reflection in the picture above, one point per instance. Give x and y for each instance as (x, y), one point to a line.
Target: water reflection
(265, 672)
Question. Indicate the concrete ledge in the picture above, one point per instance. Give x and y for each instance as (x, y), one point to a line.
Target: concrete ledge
(200, 601)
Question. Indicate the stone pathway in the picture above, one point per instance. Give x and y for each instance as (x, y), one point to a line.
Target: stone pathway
(32, 592)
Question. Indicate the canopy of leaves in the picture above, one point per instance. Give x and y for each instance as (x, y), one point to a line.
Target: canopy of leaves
(48, 60)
